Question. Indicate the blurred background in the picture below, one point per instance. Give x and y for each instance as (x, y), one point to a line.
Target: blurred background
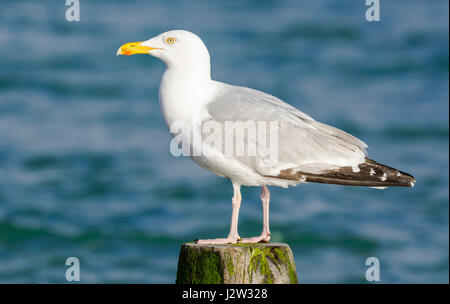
(85, 167)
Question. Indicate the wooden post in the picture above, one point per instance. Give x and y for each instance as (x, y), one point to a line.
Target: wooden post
(260, 263)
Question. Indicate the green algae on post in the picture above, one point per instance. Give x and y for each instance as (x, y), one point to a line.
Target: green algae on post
(271, 263)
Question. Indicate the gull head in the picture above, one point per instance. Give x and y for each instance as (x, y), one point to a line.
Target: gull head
(176, 48)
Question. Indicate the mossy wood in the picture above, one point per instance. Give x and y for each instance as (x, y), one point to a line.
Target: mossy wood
(271, 263)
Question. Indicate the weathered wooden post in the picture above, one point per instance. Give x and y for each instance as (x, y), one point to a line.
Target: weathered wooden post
(260, 263)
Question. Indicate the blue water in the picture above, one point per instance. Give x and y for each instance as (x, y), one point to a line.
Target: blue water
(85, 167)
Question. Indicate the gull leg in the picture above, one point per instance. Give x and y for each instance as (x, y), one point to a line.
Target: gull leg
(233, 236)
(265, 235)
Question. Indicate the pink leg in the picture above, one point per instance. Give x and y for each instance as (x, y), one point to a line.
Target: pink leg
(233, 236)
(265, 235)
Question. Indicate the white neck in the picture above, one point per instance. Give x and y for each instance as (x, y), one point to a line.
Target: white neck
(184, 90)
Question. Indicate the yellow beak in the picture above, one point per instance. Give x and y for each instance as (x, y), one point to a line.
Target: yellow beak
(134, 48)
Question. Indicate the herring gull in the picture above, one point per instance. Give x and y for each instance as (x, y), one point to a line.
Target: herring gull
(306, 150)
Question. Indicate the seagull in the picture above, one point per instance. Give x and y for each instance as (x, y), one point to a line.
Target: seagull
(307, 150)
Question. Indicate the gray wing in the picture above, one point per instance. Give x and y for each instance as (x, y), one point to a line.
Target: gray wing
(303, 144)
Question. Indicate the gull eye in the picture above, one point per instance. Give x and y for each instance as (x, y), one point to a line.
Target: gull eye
(170, 40)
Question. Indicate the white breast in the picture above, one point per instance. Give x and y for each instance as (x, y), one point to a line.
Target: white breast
(182, 96)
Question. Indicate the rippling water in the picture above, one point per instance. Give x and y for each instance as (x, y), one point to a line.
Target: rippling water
(85, 168)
